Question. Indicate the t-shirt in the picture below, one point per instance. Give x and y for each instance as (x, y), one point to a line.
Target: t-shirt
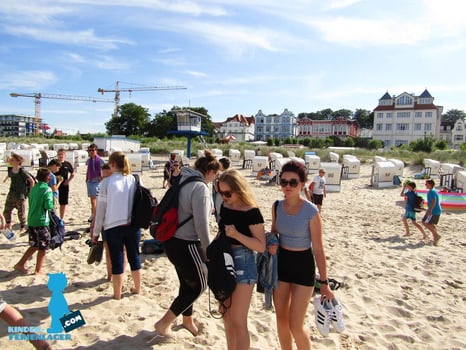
(293, 230)
(431, 195)
(66, 169)
(241, 219)
(18, 184)
(319, 185)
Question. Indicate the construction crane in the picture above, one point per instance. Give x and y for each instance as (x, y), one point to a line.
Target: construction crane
(38, 96)
(117, 91)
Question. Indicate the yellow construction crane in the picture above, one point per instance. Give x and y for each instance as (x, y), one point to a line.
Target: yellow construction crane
(38, 96)
(117, 91)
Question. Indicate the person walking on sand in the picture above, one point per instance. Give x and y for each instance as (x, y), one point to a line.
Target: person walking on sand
(408, 191)
(66, 171)
(16, 197)
(40, 202)
(113, 214)
(186, 250)
(433, 212)
(241, 221)
(299, 227)
(93, 175)
(317, 191)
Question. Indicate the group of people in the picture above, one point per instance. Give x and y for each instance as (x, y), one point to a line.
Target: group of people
(50, 193)
(296, 224)
(298, 227)
(432, 214)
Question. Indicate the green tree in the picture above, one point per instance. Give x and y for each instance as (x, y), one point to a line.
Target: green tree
(131, 120)
(342, 113)
(365, 118)
(374, 144)
(453, 115)
(162, 123)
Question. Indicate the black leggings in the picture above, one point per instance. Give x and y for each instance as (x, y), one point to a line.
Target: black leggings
(191, 271)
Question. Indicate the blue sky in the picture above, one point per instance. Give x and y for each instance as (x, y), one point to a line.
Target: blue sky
(233, 56)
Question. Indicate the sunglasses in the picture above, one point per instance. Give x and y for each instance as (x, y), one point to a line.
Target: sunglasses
(292, 182)
(226, 194)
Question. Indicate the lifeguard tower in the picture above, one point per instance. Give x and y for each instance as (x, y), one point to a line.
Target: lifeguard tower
(188, 124)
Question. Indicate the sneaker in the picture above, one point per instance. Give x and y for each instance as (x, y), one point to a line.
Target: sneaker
(324, 313)
(337, 315)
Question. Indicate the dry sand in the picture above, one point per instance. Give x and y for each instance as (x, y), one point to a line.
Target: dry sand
(398, 292)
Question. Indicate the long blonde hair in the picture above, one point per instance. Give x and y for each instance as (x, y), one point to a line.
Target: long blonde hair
(239, 185)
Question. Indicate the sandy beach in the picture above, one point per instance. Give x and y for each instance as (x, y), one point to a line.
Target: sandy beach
(397, 293)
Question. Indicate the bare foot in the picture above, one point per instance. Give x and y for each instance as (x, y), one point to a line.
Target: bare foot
(407, 234)
(134, 291)
(436, 240)
(190, 328)
(21, 269)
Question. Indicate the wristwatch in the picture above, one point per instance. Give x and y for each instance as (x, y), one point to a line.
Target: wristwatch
(325, 281)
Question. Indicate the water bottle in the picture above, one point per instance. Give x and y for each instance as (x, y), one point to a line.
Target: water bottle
(9, 234)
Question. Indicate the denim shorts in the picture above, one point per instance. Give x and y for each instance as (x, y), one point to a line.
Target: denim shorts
(245, 265)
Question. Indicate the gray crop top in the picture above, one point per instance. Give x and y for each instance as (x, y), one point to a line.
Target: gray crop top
(293, 230)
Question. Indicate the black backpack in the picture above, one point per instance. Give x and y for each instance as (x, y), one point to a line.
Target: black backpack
(57, 230)
(221, 276)
(418, 203)
(165, 218)
(143, 206)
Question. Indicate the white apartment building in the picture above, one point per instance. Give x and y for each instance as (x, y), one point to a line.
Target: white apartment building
(274, 126)
(238, 126)
(458, 134)
(399, 120)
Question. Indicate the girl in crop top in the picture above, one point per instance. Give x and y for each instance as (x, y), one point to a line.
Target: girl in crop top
(241, 221)
(299, 227)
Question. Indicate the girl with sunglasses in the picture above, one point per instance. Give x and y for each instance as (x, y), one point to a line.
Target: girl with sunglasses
(241, 221)
(299, 227)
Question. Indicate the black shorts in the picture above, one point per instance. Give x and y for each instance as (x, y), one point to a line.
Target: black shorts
(296, 267)
(317, 199)
(63, 193)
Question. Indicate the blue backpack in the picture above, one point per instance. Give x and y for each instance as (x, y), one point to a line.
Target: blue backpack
(57, 230)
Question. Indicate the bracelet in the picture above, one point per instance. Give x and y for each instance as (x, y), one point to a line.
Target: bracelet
(325, 281)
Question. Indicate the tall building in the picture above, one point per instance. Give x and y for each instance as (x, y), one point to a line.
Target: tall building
(18, 125)
(399, 120)
(274, 126)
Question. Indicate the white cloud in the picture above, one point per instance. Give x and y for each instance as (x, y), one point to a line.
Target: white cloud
(28, 80)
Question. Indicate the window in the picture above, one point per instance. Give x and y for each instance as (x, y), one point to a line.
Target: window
(418, 115)
(417, 126)
(458, 137)
(379, 127)
(403, 114)
(402, 126)
(379, 115)
(389, 115)
(404, 101)
(427, 127)
(428, 114)
(388, 127)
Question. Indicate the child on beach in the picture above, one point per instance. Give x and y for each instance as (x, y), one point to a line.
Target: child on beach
(316, 192)
(433, 212)
(16, 198)
(408, 191)
(40, 202)
(54, 180)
